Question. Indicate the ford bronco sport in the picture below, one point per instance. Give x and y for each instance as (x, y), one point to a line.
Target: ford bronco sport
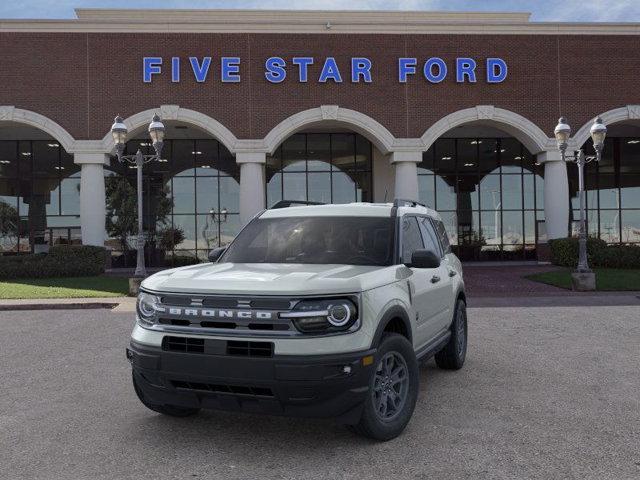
(317, 310)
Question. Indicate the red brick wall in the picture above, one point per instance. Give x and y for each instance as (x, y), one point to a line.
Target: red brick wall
(82, 80)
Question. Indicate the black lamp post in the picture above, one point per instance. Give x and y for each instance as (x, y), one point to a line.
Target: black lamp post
(156, 132)
(562, 133)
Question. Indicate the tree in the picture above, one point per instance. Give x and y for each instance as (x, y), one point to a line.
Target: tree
(9, 222)
(122, 210)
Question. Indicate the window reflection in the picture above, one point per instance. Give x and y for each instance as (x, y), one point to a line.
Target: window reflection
(189, 196)
(320, 167)
(39, 196)
(612, 191)
(487, 190)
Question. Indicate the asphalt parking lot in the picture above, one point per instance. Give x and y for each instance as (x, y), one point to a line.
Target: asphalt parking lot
(550, 392)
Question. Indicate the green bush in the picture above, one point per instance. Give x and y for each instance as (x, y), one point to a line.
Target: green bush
(61, 261)
(620, 256)
(564, 252)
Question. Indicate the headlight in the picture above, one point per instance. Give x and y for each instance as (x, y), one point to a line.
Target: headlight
(324, 316)
(147, 306)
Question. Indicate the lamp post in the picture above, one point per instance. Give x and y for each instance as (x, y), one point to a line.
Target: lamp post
(583, 278)
(156, 132)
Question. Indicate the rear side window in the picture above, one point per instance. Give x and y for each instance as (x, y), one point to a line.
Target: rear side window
(442, 235)
(429, 235)
(411, 238)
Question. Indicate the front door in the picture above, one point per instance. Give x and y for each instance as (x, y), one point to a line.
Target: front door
(424, 285)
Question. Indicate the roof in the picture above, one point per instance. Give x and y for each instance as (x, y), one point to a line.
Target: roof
(310, 21)
(345, 210)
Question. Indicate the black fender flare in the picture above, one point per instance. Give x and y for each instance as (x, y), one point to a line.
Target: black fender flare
(395, 311)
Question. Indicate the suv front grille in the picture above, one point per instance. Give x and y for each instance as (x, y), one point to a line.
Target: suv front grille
(250, 349)
(183, 344)
(228, 389)
(217, 347)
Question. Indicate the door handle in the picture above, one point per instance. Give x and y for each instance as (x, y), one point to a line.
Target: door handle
(452, 273)
(435, 279)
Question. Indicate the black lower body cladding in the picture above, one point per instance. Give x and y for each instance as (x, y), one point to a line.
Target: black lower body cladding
(321, 386)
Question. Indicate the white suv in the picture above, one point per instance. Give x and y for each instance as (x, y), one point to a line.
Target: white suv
(316, 310)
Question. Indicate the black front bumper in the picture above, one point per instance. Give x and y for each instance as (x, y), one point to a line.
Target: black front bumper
(323, 386)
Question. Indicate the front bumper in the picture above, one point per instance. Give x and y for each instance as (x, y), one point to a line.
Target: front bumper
(323, 386)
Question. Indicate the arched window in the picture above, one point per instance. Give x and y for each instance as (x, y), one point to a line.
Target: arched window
(321, 167)
(191, 202)
(489, 193)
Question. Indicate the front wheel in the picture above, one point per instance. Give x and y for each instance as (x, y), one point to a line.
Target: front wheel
(452, 356)
(393, 390)
(170, 410)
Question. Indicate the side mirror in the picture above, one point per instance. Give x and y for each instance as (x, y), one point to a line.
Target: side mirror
(424, 259)
(216, 253)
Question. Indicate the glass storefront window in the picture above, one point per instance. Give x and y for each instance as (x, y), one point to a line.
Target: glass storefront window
(490, 192)
(320, 167)
(612, 191)
(39, 195)
(189, 198)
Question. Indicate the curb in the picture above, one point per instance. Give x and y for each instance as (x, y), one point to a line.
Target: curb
(57, 306)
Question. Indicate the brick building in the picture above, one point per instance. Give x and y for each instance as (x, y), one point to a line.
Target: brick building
(454, 109)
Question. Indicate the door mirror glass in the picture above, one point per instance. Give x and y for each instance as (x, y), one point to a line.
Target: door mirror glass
(424, 259)
(216, 253)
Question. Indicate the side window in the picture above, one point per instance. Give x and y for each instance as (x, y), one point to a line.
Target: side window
(411, 238)
(442, 235)
(429, 235)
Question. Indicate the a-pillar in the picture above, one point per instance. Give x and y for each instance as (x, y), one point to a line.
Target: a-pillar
(406, 166)
(92, 197)
(556, 194)
(252, 186)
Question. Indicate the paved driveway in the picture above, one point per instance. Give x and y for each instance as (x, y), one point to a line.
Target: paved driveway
(546, 393)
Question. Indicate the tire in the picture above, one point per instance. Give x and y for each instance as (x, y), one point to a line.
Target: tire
(452, 356)
(386, 415)
(170, 410)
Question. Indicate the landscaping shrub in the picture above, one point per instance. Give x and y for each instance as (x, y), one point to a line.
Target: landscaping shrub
(564, 252)
(61, 261)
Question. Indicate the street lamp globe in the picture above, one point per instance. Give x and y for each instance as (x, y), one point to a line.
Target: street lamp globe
(562, 133)
(119, 133)
(156, 132)
(598, 133)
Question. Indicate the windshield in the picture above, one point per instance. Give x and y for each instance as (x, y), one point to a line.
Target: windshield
(320, 240)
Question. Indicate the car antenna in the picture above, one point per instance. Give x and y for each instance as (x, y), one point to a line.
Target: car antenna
(386, 190)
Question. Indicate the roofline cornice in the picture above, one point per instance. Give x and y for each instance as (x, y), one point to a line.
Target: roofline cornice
(311, 22)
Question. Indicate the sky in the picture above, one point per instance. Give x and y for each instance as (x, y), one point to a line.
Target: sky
(542, 10)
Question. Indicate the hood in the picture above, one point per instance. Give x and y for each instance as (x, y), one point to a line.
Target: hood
(270, 279)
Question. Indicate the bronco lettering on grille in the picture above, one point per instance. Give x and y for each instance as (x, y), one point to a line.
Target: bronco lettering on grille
(201, 312)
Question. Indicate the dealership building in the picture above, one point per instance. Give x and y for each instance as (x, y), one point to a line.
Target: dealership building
(455, 110)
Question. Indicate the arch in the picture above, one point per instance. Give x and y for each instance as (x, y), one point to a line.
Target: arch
(177, 113)
(10, 113)
(382, 138)
(528, 133)
(617, 115)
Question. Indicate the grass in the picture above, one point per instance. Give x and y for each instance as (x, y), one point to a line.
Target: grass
(607, 279)
(73, 287)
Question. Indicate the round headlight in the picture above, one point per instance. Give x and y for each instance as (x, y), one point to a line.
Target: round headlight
(339, 315)
(147, 305)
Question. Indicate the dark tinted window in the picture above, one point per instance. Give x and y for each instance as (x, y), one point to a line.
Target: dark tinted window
(318, 240)
(411, 238)
(429, 236)
(442, 234)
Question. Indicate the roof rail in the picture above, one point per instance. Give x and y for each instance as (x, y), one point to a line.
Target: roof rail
(399, 202)
(293, 203)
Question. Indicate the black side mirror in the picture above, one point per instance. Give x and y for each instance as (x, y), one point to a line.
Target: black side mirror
(216, 253)
(424, 259)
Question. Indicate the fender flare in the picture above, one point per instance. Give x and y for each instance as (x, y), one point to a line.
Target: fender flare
(395, 311)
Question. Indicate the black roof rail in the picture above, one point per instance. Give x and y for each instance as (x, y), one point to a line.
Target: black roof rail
(399, 202)
(293, 203)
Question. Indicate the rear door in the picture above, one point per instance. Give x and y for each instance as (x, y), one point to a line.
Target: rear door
(423, 289)
(441, 281)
